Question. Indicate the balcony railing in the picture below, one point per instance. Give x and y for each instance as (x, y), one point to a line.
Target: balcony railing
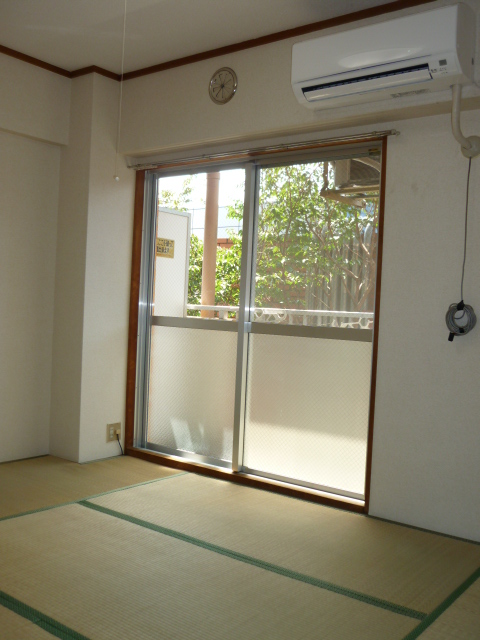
(306, 317)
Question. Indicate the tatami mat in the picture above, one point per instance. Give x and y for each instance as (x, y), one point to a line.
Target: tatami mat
(404, 566)
(109, 579)
(15, 627)
(37, 483)
(461, 621)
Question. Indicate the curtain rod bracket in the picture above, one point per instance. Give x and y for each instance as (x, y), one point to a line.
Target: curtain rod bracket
(471, 145)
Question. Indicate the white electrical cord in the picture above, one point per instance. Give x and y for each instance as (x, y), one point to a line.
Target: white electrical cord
(117, 146)
(471, 145)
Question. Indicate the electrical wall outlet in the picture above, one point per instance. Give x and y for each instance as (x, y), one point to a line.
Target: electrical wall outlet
(113, 430)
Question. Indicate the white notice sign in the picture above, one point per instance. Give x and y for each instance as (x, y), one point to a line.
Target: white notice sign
(165, 248)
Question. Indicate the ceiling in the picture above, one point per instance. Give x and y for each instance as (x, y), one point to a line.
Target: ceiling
(73, 34)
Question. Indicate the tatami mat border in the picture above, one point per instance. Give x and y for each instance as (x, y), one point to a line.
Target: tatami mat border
(183, 473)
(339, 508)
(422, 529)
(97, 495)
(349, 593)
(436, 613)
(38, 618)
(59, 630)
(356, 513)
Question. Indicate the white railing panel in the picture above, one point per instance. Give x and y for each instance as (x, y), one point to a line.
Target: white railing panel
(192, 388)
(305, 317)
(307, 409)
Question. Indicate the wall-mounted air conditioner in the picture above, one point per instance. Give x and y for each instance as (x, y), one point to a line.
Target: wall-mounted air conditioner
(419, 53)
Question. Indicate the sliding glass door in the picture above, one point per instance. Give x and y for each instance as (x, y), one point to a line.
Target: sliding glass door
(259, 287)
(191, 348)
(310, 344)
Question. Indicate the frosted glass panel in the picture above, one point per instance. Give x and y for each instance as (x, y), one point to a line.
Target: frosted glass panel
(192, 389)
(307, 409)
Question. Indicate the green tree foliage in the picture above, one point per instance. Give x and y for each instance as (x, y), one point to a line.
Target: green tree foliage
(195, 271)
(311, 247)
(177, 201)
(227, 283)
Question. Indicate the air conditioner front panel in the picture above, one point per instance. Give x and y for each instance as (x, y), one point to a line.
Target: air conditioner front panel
(374, 57)
(423, 34)
(383, 60)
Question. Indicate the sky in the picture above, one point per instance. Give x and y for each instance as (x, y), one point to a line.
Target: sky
(231, 189)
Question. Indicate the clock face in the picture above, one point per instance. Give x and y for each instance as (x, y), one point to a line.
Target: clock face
(223, 85)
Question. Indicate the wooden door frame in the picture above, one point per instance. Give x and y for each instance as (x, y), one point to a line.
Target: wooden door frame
(158, 458)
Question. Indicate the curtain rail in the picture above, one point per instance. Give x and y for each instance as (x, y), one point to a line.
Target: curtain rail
(248, 154)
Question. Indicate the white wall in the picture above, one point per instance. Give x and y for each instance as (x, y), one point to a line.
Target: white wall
(107, 280)
(81, 385)
(34, 110)
(426, 448)
(34, 102)
(28, 220)
(172, 110)
(70, 275)
(93, 278)
(426, 441)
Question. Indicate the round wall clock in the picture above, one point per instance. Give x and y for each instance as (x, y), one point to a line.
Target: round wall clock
(223, 85)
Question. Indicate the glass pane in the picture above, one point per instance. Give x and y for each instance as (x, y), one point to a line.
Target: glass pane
(192, 390)
(317, 243)
(214, 202)
(307, 410)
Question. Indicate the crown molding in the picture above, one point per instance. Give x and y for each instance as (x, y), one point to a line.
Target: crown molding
(381, 10)
(35, 61)
(94, 69)
(396, 5)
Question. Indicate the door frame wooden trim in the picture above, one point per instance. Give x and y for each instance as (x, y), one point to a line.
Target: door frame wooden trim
(133, 312)
(376, 325)
(245, 479)
(131, 449)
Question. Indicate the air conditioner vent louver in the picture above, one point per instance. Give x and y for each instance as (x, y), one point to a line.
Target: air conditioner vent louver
(372, 76)
(351, 172)
(362, 174)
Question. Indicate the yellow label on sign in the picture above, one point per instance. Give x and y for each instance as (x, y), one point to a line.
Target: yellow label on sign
(165, 248)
